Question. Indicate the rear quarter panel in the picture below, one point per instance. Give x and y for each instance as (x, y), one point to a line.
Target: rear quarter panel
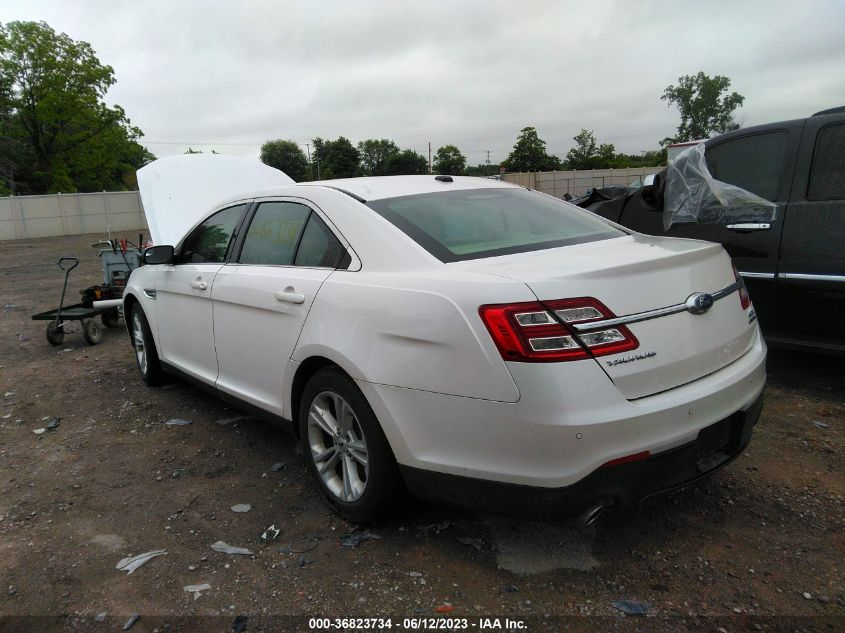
(413, 330)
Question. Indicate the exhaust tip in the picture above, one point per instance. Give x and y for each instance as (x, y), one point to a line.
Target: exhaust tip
(592, 513)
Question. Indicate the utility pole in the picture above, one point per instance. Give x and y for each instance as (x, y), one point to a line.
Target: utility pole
(429, 157)
(310, 168)
(487, 171)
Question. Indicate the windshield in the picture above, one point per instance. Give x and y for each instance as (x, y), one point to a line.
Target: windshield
(475, 223)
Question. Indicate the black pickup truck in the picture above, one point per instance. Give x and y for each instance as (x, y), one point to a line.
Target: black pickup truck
(794, 266)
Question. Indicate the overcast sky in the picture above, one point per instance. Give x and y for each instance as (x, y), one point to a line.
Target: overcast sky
(231, 75)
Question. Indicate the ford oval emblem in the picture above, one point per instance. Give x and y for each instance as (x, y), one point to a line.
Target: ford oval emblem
(699, 303)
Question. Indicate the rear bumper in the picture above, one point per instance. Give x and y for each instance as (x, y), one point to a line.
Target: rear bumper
(621, 485)
(570, 420)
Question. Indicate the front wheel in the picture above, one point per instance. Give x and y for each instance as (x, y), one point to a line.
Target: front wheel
(55, 334)
(345, 448)
(146, 355)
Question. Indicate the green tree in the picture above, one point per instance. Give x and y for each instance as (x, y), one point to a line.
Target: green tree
(588, 154)
(286, 156)
(482, 170)
(651, 158)
(335, 159)
(529, 153)
(605, 156)
(582, 156)
(108, 161)
(375, 155)
(60, 134)
(705, 105)
(449, 161)
(407, 162)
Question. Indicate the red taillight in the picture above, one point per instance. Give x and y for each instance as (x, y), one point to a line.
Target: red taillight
(636, 457)
(527, 332)
(744, 299)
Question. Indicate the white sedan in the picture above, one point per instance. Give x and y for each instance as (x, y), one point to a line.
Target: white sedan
(462, 338)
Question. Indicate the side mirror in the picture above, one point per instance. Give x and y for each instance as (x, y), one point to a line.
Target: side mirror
(158, 255)
(651, 188)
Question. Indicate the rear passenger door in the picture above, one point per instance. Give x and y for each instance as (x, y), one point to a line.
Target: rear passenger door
(811, 275)
(262, 297)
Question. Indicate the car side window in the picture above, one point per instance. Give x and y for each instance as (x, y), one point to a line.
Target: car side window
(273, 234)
(754, 163)
(827, 177)
(319, 248)
(209, 241)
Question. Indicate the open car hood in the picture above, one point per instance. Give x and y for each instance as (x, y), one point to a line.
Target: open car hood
(178, 191)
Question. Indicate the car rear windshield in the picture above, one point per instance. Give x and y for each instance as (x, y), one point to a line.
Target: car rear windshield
(475, 223)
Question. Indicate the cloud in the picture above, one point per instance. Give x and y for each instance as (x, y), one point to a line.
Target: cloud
(232, 75)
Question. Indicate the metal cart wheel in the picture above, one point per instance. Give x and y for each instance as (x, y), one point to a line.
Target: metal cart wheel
(92, 332)
(110, 318)
(55, 334)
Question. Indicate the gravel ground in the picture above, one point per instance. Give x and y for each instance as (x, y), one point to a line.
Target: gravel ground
(759, 546)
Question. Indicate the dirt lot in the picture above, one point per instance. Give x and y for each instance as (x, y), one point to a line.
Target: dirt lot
(760, 542)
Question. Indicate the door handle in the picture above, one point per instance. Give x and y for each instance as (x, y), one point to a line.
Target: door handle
(289, 296)
(199, 285)
(750, 226)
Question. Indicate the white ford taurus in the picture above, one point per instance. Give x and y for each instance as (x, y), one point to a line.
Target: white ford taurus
(461, 338)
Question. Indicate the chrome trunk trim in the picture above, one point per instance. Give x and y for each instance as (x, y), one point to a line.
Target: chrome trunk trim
(652, 314)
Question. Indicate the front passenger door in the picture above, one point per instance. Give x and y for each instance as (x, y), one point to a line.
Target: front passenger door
(183, 295)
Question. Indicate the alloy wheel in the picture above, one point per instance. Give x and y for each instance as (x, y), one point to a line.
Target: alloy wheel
(338, 446)
(140, 348)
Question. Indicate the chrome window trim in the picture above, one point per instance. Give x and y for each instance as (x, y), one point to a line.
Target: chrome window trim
(355, 264)
(652, 314)
(757, 275)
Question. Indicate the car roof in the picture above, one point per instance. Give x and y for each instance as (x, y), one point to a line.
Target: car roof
(177, 192)
(380, 187)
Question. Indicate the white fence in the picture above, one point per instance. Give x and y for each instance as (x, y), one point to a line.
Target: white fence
(558, 183)
(23, 217)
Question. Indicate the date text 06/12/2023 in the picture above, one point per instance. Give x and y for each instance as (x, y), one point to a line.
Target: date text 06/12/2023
(414, 624)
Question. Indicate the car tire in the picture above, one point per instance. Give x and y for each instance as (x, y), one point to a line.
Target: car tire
(146, 358)
(345, 449)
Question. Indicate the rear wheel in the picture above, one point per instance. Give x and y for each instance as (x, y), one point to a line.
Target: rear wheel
(110, 318)
(146, 355)
(92, 332)
(345, 448)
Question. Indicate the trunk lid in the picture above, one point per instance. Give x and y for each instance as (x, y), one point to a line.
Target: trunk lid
(635, 274)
